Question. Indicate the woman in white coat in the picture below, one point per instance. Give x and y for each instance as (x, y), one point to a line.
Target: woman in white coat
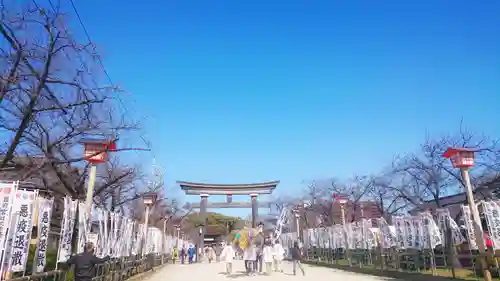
(227, 256)
(267, 255)
(278, 256)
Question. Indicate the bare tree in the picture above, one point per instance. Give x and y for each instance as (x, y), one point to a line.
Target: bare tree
(355, 189)
(317, 208)
(118, 184)
(387, 196)
(50, 98)
(428, 176)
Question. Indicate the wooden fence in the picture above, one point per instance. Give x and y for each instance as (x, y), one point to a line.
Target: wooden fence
(114, 270)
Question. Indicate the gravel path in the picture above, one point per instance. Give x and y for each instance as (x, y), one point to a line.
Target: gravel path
(215, 272)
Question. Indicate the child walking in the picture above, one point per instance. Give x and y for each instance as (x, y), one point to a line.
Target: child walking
(267, 256)
(278, 256)
(227, 256)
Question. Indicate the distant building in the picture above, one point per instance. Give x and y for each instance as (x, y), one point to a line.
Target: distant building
(355, 211)
(487, 190)
(33, 174)
(328, 213)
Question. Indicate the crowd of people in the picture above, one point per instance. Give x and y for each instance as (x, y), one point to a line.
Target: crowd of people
(188, 252)
(264, 255)
(264, 252)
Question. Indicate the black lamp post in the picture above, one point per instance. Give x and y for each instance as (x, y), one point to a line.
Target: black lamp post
(200, 242)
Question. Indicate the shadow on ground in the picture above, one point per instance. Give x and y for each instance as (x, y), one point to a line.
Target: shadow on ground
(393, 275)
(237, 274)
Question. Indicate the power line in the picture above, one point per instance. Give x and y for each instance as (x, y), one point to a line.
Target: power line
(99, 59)
(90, 40)
(97, 56)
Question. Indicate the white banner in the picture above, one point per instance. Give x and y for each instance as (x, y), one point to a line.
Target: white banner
(105, 238)
(7, 190)
(442, 215)
(68, 223)
(409, 242)
(44, 216)
(369, 234)
(492, 214)
(398, 222)
(470, 227)
(83, 226)
(341, 236)
(431, 235)
(388, 237)
(93, 238)
(357, 235)
(23, 213)
(101, 244)
(418, 231)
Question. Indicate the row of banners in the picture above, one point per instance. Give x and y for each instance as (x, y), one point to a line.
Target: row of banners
(422, 231)
(116, 236)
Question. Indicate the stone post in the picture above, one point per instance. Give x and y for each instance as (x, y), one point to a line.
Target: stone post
(203, 217)
(255, 209)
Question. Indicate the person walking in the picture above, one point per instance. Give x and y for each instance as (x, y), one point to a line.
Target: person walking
(175, 254)
(259, 243)
(190, 253)
(227, 256)
(84, 263)
(267, 256)
(183, 254)
(250, 257)
(278, 256)
(218, 251)
(296, 258)
(210, 254)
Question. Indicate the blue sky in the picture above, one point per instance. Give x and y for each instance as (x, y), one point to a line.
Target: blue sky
(251, 91)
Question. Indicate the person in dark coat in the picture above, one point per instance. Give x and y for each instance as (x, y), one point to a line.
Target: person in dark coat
(183, 254)
(259, 243)
(84, 263)
(296, 254)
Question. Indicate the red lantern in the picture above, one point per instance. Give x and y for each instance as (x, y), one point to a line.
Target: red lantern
(342, 199)
(96, 151)
(460, 157)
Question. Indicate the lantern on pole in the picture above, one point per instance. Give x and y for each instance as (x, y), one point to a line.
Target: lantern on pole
(463, 158)
(177, 234)
(148, 198)
(460, 157)
(96, 151)
(200, 228)
(342, 200)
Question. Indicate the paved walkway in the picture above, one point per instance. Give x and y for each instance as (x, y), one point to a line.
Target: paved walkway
(215, 272)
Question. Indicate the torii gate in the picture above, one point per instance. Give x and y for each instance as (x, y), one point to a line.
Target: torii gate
(207, 189)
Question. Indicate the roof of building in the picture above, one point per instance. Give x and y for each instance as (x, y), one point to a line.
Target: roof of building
(215, 230)
(453, 202)
(195, 188)
(36, 173)
(218, 205)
